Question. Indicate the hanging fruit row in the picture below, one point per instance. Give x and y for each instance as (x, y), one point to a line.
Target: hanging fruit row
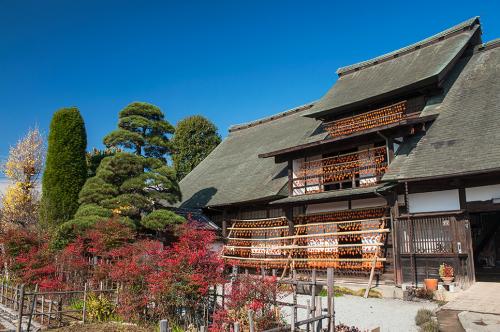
(379, 117)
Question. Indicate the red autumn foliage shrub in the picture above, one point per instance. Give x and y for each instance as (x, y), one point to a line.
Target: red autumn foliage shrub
(250, 293)
(185, 272)
(154, 280)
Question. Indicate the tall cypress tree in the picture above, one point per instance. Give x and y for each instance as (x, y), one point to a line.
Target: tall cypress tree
(65, 168)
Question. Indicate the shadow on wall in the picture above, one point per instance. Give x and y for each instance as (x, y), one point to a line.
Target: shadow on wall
(199, 199)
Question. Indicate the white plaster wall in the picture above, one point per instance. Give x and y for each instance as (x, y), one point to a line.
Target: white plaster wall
(483, 193)
(368, 202)
(446, 200)
(326, 207)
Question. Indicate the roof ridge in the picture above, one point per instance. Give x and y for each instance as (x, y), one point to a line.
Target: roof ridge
(277, 116)
(466, 25)
(488, 45)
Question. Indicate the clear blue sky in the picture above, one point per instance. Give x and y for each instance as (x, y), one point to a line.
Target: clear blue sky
(232, 61)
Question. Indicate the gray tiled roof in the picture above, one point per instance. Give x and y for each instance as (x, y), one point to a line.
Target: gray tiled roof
(234, 173)
(420, 64)
(465, 138)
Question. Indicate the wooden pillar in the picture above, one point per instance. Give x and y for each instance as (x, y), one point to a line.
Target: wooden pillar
(290, 177)
(289, 219)
(462, 199)
(398, 269)
(224, 223)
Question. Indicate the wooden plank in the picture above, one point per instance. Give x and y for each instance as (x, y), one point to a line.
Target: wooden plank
(372, 272)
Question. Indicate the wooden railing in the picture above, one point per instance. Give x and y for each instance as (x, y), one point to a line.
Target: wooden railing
(373, 119)
(33, 308)
(358, 169)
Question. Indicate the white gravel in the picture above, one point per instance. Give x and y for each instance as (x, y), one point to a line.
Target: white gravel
(367, 314)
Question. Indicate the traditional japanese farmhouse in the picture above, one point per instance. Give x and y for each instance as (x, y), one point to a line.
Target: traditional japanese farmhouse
(397, 166)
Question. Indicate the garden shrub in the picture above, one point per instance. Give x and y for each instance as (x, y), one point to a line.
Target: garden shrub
(430, 326)
(423, 316)
(99, 308)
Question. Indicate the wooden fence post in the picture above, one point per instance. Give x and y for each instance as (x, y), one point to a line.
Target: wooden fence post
(1, 294)
(20, 308)
(84, 309)
(50, 312)
(236, 327)
(16, 297)
(250, 321)
(330, 305)
(32, 307)
(319, 312)
(295, 285)
(163, 325)
(43, 307)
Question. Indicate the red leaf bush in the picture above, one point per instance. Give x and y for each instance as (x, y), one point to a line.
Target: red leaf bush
(247, 292)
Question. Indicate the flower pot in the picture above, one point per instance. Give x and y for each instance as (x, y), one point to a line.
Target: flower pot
(431, 284)
(447, 280)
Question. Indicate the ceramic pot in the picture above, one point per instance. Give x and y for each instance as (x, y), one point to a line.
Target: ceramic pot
(431, 284)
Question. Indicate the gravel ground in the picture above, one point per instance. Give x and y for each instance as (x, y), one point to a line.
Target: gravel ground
(388, 314)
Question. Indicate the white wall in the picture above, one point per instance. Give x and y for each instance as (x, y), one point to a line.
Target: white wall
(484, 193)
(446, 200)
(326, 207)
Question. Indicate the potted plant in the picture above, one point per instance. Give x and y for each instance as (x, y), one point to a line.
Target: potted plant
(446, 273)
(431, 284)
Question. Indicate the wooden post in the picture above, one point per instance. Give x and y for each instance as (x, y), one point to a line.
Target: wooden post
(319, 312)
(236, 327)
(163, 325)
(308, 314)
(84, 309)
(50, 312)
(20, 309)
(43, 308)
(223, 295)
(313, 295)
(224, 223)
(330, 304)
(250, 321)
(59, 311)
(294, 318)
(32, 307)
(372, 272)
(16, 293)
(1, 293)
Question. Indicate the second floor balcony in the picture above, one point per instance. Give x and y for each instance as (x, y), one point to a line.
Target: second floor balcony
(362, 168)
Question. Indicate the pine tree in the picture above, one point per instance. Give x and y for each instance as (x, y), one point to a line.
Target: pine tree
(133, 189)
(65, 169)
(142, 129)
(195, 137)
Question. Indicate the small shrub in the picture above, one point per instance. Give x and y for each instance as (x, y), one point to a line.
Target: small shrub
(423, 316)
(345, 328)
(430, 326)
(99, 308)
(423, 293)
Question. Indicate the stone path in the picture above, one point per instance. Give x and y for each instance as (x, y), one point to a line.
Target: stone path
(482, 297)
(8, 318)
(475, 309)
